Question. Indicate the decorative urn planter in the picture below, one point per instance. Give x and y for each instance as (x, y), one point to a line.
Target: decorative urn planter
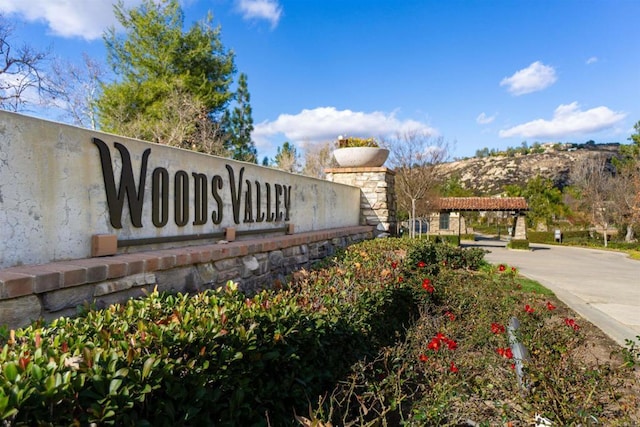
(351, 157)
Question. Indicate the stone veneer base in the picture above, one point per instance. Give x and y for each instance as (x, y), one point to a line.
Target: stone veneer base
(56, 289)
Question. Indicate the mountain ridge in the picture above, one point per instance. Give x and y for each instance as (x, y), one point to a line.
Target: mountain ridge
(488, 175)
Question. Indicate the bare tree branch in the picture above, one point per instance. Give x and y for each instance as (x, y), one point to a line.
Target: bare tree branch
(77, 89)
(415, 156)
(317, 158)
(22, 79)
(593, 179)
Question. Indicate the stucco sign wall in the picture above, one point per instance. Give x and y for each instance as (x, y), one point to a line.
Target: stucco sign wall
(60, 185)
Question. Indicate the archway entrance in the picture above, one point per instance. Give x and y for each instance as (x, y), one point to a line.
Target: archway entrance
(515, 206)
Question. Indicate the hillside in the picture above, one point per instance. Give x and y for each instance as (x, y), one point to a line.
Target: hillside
(489, 175)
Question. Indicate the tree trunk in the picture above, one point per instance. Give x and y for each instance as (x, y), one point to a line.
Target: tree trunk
(413, 219)
(606, 226)
(629, 236)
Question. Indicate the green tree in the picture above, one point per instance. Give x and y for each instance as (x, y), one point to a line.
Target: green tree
(629, 153)
(484, 152)
(544, 200)
(287, 158)
(453, 187)
(238, 125)
(161, 69)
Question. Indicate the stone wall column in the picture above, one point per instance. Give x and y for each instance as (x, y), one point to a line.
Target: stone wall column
(520, 228)
(377, 194)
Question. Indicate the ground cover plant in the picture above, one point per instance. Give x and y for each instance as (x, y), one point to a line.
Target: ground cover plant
(387, 332)
(459, 366)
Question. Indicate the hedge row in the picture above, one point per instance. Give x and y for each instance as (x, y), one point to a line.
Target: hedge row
(518, 244)
(549, 236)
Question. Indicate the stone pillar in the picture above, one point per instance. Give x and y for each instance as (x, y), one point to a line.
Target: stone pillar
(520, 227)
(377, 194)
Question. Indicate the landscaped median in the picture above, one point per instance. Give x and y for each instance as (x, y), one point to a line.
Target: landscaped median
(388, 332)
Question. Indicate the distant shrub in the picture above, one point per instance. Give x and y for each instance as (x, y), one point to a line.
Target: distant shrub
(540, 236)
(518, 244)
(548, 237)
(450, 239)
(437, 256)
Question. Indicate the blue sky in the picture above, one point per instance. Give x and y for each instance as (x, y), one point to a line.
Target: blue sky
(486, 73)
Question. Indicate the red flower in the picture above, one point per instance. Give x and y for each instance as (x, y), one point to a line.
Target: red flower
(501, 267)
(426, 285)
(505, 352)
(394, 265)
(528, 309)
(422, 264)
(513, 269)
(434, 344)
(571, 323)
(440, 336)
(497, 328)
(450, 315)
(550, 306)
(400, 279)
(423, 358)
(452, 344)
(453, 368)
(513, 366)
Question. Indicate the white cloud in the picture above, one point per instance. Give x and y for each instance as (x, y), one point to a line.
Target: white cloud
(327, 123)
(592, 60)
(261, 9)
(483, 119)
(88, 19)
(67, 18)
(567, 120)
(535, 77)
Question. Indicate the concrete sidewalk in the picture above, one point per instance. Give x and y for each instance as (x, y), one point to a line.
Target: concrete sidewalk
(601, 286)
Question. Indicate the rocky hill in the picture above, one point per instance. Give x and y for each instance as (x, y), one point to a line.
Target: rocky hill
(488, 175)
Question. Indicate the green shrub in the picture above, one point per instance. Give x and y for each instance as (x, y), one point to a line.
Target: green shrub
(518, 244)
(541, 236)
(451, 239)
(215, 358)
(548, 237)
(436, 256)
(625, 245)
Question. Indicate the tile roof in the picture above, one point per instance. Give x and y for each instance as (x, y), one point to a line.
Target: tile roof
(482, 204)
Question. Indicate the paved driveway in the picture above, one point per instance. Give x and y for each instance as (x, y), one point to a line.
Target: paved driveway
(602, 286)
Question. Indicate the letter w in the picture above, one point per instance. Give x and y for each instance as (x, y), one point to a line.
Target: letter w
(127, 184)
